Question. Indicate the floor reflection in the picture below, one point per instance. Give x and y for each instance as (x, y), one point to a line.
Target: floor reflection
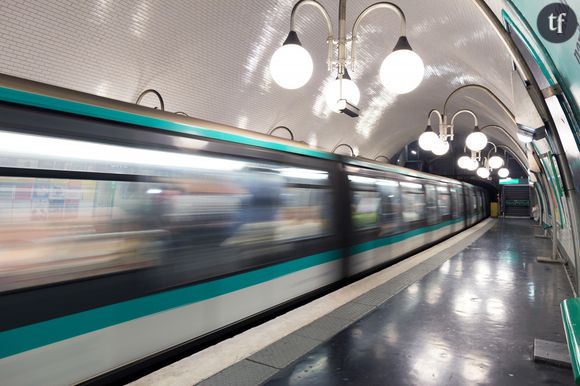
(471, 321)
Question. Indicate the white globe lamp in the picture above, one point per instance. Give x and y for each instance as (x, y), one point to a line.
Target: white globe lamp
(440, 147)
(428, 139)
(402, 70)
(473, 164)
(339, 89)
(464, 161)
(503, 172)
(483, 172)
(495, 162)
(291, 65)
(476, 141)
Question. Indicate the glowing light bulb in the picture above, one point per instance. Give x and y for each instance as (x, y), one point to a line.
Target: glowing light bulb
(476, 141)
(495, 162)
(464, 161)
(440, 147)
(428, 139)
(291, 65)
(503, 172)
(350, 92)
(483, 172)
(402, 70)
(473, 164)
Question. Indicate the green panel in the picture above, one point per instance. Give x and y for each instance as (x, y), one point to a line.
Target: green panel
(509, 181)
(50, 103)
(562, 59)
(570, 309)
(552, 178)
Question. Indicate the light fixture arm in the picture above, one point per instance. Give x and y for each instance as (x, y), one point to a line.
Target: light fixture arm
(326, 16)
(369, 9)
(436, 112)
(488, 91)
(494, 148)
(519, 159)
(463, 111)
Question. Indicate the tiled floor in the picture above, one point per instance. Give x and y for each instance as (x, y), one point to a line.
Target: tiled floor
(471, 321)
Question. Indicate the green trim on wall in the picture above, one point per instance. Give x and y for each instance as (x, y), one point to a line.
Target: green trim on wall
(547, 74)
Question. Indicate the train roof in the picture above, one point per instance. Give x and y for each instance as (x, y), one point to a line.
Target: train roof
(29, 93)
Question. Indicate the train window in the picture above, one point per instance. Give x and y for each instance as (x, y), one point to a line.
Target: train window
(431, 204)
(457, 197)
(444, 201)
(192, 220)
(366, 202)
(390, 207)
(413, 202)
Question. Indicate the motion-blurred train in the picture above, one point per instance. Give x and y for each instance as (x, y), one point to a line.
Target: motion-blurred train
(127, 233)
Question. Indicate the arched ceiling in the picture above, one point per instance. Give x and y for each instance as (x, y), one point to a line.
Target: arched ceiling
(210, 59)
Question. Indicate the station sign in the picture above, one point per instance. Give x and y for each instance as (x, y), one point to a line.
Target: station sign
(513, 181)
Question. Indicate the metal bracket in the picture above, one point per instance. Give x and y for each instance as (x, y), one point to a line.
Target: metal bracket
(551, 91)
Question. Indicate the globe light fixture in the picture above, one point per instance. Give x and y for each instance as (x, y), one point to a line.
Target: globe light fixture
(503, 172)
(464, 161)
(476, 141)
(342, 88)
(473, 164)
(402, 70)
(483, 172)
(291, 65)
(495, 162)
(428, 139)
(440, 147)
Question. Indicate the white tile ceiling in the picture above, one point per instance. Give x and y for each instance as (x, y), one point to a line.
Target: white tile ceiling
(210, 59)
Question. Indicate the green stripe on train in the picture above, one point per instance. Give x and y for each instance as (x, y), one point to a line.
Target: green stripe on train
(63, 105)
(39, 334)
(363, 247)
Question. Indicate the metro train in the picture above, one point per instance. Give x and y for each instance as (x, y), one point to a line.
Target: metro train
(129, 233)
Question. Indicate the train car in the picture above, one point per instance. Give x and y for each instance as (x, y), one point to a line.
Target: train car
(398, 211)
(129, 234)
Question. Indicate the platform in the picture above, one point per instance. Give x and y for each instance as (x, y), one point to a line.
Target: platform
(466, 314)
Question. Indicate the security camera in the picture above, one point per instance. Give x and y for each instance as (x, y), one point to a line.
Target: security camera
(348, 108)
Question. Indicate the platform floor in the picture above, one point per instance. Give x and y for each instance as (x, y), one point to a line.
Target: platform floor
(471, 321)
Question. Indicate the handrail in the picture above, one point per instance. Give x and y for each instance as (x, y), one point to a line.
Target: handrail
(272, 130)
(152, 91)
(344, 144)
